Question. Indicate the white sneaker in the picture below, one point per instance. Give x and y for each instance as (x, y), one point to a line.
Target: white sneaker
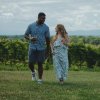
(33, 76)
(40, 81)
(36, 74)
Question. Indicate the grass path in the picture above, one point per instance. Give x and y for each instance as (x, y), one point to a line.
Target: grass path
(17, 85)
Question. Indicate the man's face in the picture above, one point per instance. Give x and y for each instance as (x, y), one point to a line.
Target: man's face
(41, 19)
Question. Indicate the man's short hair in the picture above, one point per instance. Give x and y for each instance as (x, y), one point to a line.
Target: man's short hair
(41, 14)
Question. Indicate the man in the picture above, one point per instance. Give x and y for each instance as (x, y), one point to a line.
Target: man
(39, 41)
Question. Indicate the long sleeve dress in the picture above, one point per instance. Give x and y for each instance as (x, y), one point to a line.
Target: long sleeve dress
(60, 58)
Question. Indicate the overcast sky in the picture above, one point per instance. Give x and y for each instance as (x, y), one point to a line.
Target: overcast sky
(16, 15)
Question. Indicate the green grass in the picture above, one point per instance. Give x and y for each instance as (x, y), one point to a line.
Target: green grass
(17, 85)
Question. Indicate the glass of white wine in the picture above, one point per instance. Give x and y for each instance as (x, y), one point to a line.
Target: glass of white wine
(33, 38)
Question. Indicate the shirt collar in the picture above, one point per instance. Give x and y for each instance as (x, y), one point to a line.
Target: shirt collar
(38, 24)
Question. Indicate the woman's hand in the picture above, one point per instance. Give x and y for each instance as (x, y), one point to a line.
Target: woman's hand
(64, 41)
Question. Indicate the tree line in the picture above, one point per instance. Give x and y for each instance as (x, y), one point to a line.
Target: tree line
(83, 51)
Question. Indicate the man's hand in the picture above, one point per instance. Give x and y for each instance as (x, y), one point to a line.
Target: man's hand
(33, 39)
(29, 37)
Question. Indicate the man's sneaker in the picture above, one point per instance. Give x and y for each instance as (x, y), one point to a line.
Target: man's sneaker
(33, 76)
(40, 81)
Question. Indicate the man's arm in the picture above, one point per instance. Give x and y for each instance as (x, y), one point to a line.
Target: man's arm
(48, 43)
(48, 49)
(26, 37)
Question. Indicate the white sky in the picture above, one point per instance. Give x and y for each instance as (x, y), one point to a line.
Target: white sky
(16, 15)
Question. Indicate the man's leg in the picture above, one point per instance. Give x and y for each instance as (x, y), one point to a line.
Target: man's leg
(41, 58)
(40, 70)
(31, 66)
(32, 57)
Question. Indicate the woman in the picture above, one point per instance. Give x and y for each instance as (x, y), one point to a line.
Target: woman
(59, 47)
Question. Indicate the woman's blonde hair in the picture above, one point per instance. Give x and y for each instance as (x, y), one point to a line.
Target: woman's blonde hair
(61, 28)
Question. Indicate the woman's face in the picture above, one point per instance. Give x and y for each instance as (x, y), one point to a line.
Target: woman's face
(56, 29)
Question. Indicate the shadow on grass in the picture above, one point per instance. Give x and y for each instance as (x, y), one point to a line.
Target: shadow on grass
(74, 85)
(29, 84)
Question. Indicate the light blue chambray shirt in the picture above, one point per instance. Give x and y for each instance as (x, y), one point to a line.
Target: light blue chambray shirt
(41, 32)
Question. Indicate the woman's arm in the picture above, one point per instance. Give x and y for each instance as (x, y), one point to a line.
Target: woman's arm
(66, 41)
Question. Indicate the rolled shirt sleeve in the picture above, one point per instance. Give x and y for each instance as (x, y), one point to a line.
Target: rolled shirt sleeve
(28, 30)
